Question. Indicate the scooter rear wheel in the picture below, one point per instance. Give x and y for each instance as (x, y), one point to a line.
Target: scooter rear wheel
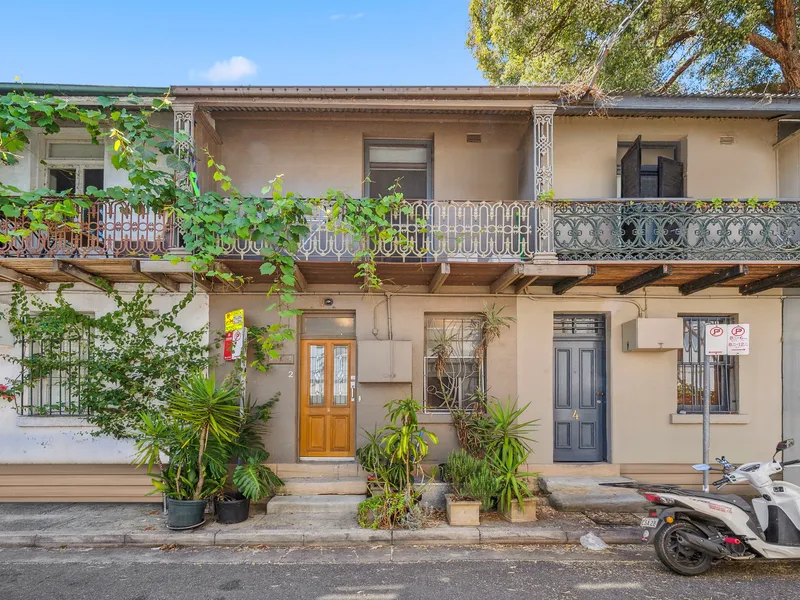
(678, 558)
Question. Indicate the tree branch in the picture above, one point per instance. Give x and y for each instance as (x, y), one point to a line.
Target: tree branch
(678, 72)
(766, 46)
(678, 38)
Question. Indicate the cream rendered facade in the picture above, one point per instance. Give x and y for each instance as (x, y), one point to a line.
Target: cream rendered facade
(644, 436)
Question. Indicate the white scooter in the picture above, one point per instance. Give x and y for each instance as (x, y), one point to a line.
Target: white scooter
(692, 531)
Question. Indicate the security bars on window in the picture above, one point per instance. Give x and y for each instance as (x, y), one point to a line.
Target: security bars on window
(723, 390)
(454, 363)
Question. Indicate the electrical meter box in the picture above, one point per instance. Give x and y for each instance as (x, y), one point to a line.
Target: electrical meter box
(652, 335)
(384, 361)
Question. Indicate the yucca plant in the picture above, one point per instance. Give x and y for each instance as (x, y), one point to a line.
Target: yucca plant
(200, 422)
(511, 482)
(504, 434)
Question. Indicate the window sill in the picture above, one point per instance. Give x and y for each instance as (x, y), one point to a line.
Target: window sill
(694, 419)
(52, 421)
(434, 418)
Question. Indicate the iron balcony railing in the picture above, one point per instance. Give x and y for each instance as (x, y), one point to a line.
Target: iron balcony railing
(591, 230)
(676, 229)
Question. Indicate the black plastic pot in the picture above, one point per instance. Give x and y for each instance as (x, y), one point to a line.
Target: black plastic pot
(185, 514)
(232, 508)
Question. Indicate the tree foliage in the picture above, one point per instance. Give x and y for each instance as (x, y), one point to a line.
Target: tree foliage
(677, 45)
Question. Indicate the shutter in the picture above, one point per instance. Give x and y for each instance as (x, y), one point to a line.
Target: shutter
(631, 166)
(670, 178)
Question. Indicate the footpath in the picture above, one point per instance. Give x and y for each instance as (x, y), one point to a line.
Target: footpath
(143, 525)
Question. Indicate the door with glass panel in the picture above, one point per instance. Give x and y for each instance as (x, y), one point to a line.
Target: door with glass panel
(327, 398)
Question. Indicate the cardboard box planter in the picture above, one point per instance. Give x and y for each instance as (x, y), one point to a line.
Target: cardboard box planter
(463, 513)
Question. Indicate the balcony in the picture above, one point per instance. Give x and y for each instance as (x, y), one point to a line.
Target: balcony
(625, 243)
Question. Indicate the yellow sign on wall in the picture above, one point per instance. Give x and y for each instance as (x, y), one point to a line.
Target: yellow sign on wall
(234, 320)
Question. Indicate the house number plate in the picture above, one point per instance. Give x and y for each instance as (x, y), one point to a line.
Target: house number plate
(283, 359)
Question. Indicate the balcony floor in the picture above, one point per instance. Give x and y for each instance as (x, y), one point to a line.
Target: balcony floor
(462, 275)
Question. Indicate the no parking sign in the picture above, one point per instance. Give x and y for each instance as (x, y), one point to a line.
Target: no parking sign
(732, 340)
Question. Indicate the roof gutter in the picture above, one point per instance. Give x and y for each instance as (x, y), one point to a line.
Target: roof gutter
(547, 92)
(56, 89)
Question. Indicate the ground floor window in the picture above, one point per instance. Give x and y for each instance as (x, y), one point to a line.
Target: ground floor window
(53, 377)
(723, 381)
(454, 362)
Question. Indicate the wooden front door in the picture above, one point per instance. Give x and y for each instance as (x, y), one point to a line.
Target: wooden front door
(327, 398)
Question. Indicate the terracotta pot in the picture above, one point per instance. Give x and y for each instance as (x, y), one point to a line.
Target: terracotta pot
(463, 513)
(526, 514)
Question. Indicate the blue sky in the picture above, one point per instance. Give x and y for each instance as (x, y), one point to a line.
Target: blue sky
(267, 42)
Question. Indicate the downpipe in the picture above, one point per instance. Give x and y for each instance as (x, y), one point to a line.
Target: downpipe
(701, 544)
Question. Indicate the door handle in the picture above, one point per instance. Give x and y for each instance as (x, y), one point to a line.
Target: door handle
(352, 391)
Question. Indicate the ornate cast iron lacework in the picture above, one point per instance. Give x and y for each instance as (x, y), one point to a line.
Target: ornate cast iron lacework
(579, 230)
(655, 229)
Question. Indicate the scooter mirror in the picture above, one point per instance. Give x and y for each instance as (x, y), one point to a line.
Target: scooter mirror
(701, 467)
(784, 445)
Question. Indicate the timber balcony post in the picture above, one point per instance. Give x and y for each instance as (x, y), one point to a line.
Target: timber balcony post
(543, 163)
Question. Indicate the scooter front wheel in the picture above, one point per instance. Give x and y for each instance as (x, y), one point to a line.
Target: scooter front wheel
(677, 557)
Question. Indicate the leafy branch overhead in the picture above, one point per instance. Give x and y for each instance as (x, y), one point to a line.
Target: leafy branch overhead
(685, 45)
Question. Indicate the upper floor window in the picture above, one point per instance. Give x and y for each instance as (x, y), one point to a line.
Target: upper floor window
(691, 384)
(454, 362)
(74, 165)
(649, 170)
(407, 162)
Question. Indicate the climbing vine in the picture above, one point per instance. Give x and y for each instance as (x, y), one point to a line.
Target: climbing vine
(108, 368)
(276, 221)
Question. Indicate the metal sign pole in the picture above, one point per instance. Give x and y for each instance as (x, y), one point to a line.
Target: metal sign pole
(706, 413)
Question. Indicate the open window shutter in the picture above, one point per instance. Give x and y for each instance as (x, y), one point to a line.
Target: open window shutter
(631, 165)
(670, 178)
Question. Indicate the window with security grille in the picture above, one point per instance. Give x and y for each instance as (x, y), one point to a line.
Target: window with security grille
(723, 388)
(54, 373)
(454, 362)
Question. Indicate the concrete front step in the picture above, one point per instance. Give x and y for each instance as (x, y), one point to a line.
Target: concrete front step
(328, 504)
(580, 494)
(310, 486)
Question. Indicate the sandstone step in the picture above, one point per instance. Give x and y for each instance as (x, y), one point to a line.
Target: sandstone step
(309, 486)
(328, 504)
(580, 494)
(323, 469)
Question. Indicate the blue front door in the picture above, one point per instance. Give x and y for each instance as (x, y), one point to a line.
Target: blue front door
(579, 394)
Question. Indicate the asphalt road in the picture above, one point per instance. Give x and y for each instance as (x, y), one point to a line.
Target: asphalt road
(375, 574)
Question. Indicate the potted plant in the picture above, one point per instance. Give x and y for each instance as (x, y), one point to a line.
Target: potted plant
(508, 446)
(393, 455)
(515, 501)
(253, 479)
(474, 488)
(200, 419)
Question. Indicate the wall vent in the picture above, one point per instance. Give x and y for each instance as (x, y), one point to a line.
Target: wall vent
(726, 140)
(473, 138)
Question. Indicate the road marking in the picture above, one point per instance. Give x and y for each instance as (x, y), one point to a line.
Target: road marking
(609, 586)
(369, 588)
(358, 596)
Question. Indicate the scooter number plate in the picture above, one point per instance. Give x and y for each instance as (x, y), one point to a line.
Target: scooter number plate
(649, 523)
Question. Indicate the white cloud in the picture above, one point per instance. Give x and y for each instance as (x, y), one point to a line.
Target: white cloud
(346, 17)
(233, 69)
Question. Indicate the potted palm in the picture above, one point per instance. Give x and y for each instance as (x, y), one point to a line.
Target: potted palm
(185, 447)
(253, 479)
